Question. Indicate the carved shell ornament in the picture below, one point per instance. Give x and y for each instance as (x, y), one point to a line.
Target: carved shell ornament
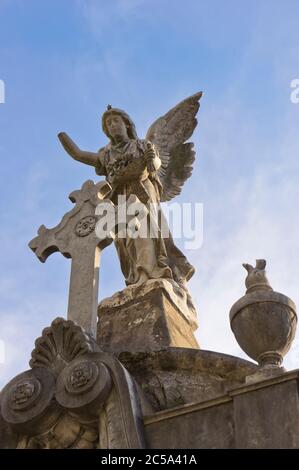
(60, 344)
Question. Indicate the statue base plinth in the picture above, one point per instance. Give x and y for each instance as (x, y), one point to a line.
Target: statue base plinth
(148, 317)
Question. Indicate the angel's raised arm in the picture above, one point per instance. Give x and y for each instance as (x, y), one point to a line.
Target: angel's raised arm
(89, 158)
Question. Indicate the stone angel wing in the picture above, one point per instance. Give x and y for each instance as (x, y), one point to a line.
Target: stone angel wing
(169, 134)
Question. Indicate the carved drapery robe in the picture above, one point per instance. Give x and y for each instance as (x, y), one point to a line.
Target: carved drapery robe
(141, 258)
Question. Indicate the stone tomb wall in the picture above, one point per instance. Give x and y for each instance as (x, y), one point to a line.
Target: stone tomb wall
(260, 415)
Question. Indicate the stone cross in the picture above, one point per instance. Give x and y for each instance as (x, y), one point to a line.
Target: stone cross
(75, 238)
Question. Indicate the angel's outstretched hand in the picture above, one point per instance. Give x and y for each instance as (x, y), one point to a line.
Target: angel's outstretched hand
(89, 158)
(69, 146)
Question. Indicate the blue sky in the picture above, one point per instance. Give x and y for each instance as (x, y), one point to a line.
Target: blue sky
(63, 61)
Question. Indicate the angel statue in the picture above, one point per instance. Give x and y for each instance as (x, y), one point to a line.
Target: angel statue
(154, 170)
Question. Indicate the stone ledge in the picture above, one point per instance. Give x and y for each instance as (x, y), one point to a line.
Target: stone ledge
(185, 409)
(182, 376)
(228, 397)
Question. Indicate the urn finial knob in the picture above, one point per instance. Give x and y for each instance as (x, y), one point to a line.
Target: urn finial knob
(256, 278)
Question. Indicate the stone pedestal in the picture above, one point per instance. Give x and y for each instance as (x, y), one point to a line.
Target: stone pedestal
(150, 317)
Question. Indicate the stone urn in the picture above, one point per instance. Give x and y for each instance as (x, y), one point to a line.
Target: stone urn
(263, 321)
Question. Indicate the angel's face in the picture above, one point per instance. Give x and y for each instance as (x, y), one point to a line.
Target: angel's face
(116, 127)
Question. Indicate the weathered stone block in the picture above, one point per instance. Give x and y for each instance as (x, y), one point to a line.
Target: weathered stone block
(180, 376)
(196, 427)
(149, 317)
(266, 414)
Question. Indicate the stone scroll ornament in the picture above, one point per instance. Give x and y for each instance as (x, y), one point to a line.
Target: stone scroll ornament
(74, 396)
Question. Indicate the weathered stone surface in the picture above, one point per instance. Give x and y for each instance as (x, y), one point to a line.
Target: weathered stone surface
(66, 433)
(267, 323)
(8, 438)
(149, 317)
(263, 415)
(179, 376)
(266, 414)
(210, 427)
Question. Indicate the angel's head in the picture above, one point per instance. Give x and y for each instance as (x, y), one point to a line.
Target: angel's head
(118, 125)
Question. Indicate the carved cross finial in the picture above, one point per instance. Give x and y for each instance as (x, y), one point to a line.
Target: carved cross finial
(75, 238)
